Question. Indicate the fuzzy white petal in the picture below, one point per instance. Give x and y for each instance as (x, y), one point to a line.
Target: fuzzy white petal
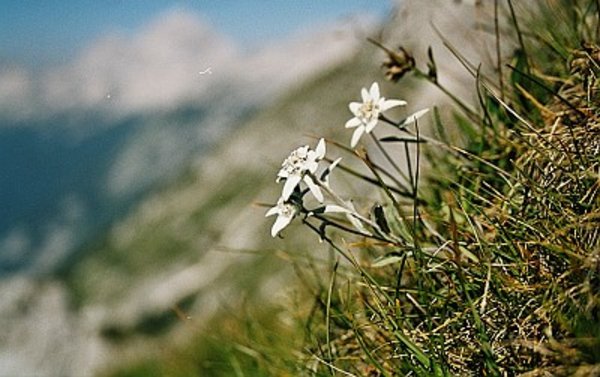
(371, 125)
(316, 191)
(280, 223)
(328, 170)
(290, 184)
(354, 122)
(311, 166)
(282, 174)
(374, 91)
(272, 211)
(357, 224)
(354, 107)
(320, 149)
(356, 136)
(365, 95)
(390, 103)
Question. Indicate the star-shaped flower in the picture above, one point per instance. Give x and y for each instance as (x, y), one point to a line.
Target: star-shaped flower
(285, 214)
(299, 166)
(366, 114)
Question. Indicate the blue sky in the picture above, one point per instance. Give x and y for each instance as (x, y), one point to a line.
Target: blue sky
(41, 32)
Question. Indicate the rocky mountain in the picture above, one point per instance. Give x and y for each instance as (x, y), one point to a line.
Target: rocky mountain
(84, 142)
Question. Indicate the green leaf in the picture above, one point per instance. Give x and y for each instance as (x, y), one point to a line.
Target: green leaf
(396, 139)
(386, 260)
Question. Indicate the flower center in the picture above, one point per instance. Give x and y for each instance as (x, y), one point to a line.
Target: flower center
(368, 111)
(287, 210)
(296, 161)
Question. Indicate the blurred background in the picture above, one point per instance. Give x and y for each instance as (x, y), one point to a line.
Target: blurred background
(100, 102)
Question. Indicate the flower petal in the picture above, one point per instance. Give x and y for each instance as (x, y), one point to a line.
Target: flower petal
(390, 103)
(354, 122)
(272, 211)
(311, 166)
(290, 184)
(371, 125)
(316, 191)
(320, 149)
(280, 223)
(354, 107)
(334, 163)
(374, 91)
(282, 174)
(365, 95)
(356, 136)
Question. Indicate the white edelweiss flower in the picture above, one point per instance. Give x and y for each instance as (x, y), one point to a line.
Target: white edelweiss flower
(295, 167)
(366, 114)
(285, 214)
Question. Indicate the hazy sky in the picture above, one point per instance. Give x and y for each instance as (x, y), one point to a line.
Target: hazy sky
(40, 32)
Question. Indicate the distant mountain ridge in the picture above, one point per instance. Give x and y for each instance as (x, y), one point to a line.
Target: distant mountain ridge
(82, 144)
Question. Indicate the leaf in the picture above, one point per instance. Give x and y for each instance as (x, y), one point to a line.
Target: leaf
(332, 208)
(386, 260)
(468, 254)
(431, 66)
(380, 218)
(439, 126)
(396, 139)
(412, 118)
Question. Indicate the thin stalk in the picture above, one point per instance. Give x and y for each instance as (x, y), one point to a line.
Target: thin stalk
(328, 314)
(519, 35)
(410, 169)
(404, 193)
(327, 239)
(328, 222)
(387, 156)
(498, 49)
(382, 184)
(344, 204)
(415, 190)
(379, 168)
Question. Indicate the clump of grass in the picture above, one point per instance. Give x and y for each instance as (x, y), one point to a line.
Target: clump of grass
(490, 264)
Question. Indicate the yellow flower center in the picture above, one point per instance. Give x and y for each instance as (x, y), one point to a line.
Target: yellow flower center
(368, 111)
